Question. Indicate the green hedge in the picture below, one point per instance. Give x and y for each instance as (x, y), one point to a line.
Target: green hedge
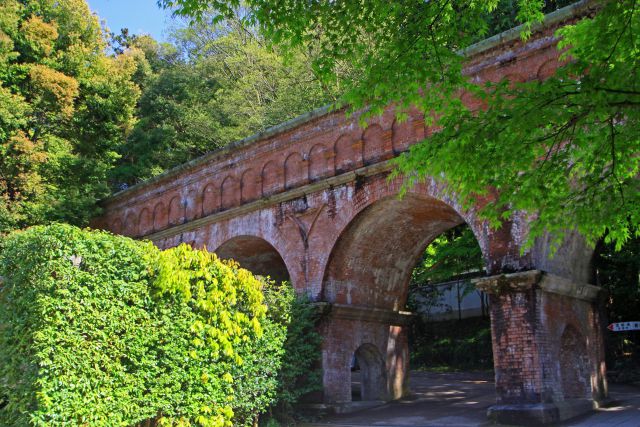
(101, 330)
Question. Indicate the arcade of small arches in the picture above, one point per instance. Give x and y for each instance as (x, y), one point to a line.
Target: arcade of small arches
(351, 150)
(311, 202)
(348, 152)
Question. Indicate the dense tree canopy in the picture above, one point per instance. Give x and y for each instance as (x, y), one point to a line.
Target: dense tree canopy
(564, 150)
(215, 84)
(84, 112)
(65, 107)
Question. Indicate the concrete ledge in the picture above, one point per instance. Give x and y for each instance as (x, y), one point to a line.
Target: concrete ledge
(561, 286)
(512, 282)
(535, 414)
(367, 314)
(536, 279)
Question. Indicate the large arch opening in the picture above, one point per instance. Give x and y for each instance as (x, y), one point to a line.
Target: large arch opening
(256, 255)
(372, 261)
(617, 271)
(370, 270)
(452, 327)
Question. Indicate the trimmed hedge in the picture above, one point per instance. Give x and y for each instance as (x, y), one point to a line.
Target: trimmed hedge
(102, 330)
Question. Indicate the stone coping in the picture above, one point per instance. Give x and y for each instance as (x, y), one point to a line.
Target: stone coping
(366, 314)
(551, 19)
(537, 279)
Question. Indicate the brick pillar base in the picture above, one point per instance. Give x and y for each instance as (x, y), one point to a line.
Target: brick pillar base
(378, 338)
(547, 348)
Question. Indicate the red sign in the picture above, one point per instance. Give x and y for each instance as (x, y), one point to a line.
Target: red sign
(624, 326)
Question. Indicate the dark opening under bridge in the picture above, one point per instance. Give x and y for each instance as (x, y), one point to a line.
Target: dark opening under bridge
(310, 201)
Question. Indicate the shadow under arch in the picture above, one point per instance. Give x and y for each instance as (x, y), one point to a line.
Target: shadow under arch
(256, 255)
(371, 261)
(373, 380)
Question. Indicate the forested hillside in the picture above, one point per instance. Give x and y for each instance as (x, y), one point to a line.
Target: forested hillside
(212, 85)
(66, 109)
(85, 112)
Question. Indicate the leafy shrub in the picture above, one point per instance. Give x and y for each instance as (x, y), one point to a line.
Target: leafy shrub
(257, 384)
(76, 328)
(301, 372)
(102, 330)
(290, 332)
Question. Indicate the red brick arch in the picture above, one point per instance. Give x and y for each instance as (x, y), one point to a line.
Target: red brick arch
(160, 217)
(272, 178)
(348, 153)
(210, 199)
(131, 224)
(386, 238)
(256, 255)
(145, 221)
(295, 171)
(333, 219)
(320, 162)
(250, 185)
(230, 192)
(177, 211)
(375, 147)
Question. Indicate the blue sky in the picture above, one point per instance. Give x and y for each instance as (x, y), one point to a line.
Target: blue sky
(140, 16)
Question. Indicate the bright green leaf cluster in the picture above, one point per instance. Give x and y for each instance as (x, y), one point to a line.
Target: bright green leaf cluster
(102, 330)
(563, 150)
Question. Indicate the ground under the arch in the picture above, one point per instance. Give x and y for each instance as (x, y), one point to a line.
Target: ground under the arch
(461, 399)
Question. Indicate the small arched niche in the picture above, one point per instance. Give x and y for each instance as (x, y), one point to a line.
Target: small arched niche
(256, 255)
(368, 374)
(574, 365)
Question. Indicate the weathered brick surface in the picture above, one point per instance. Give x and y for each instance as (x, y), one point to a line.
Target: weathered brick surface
(515, 347)
(313, 202)
(547, 343)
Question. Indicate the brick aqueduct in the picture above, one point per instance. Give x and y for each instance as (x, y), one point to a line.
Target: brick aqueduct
(310, 201)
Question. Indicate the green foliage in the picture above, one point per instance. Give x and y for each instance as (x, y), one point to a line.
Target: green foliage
(216, 84)
(563, 150)
(65, 107)
(284, 364)
(506, 16)
(453, 253)
(453, 256)
(103, 330)
(301, 372)
(257, 377)
(76, 329)
(451, 345)
(566, 147)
